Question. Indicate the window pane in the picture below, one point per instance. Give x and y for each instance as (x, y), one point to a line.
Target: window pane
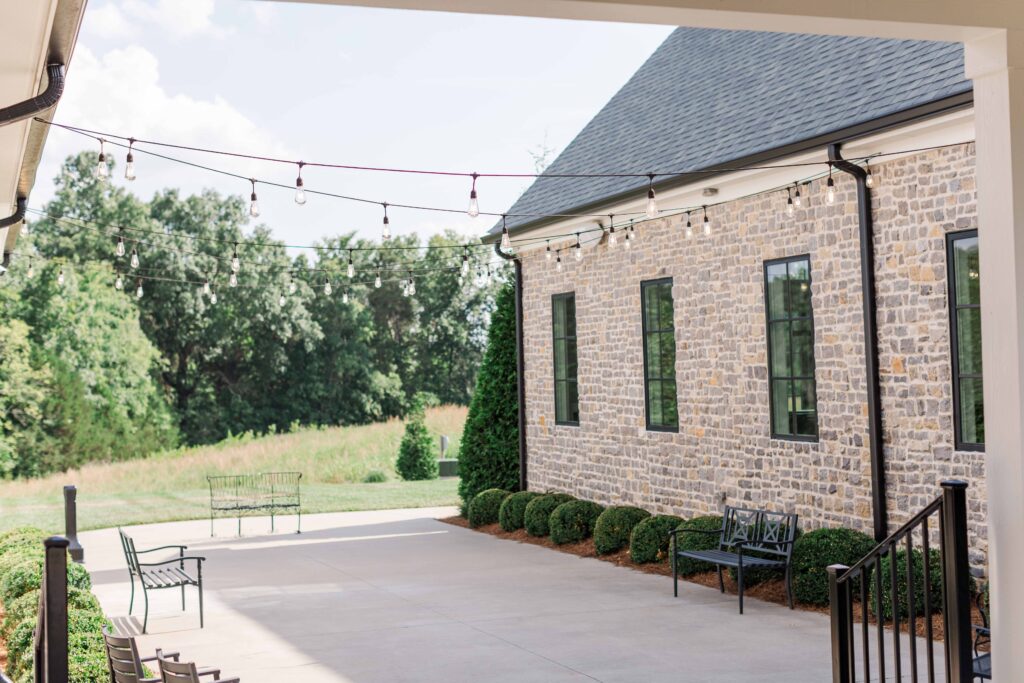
(776, 291)
(804, 408)
(570, 316)
(972, 417)
(965, 257)
(803, 349)
(668, 404)
(780, 407)
(968, 328)
(570, 359)
(573, 400)
(667, 363)
(654, 402)
(654, 355)
(560, 360)
(650, 307)
(561, 402)
(665, 307)
(800, 288)
(558, 317)
(780, 349)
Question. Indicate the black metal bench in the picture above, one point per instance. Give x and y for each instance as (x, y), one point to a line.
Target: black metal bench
(267, 492)
(176, 572)
(748, 539)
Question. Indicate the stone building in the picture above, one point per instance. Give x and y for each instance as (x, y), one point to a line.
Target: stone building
(727, 362)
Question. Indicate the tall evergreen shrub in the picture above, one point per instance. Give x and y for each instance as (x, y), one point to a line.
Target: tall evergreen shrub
(416, 457)
(489, 451)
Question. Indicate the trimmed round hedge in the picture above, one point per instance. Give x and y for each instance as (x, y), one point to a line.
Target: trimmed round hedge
(613, 527)
(650, 538)
(513, 510)
(574, 521)
(483, 509)
(934, 594)
(538, 512)
(816, 550)
(684, 565)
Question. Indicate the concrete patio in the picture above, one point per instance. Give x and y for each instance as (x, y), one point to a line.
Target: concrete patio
(399, 596)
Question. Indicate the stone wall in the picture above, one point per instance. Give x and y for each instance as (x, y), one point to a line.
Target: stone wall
(723, 452)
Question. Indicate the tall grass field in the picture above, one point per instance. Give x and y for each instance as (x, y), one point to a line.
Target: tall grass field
(172, 485)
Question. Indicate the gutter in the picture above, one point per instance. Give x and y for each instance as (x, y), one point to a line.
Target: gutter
(19, 214)
(867, 283)
(41, 102)
(520, 361)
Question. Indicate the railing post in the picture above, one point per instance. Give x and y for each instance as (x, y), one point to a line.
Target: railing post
(957, 586)
(839, 602)
(52, 632)
(71, 524)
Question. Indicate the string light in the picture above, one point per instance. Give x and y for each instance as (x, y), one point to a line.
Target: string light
(213, 297)
(60, 278)
(689, 226)
(344, 297)
(351, 266)
(558, 261)
(300, 193)
(102, 172)
(31, 270)
(632, 232)
(118, 282)
(869, 179)
(281, 300)
(612, 239)
(830, 188)
(129, 162)
(790, 209)
(254, 205)
(233, 280)
(135, 258)
(327, 287)
(465, 261)
(547, 251)
(506, 241)
(579, 248)
(377, 281)
(707, 221)
(236, 264)
(652, 203)
(474, 205)
(412, 285)
(119, 250)
(206, 288)
(386, 232)
(138, 289)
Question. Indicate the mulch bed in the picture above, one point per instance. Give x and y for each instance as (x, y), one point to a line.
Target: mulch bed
(769, 591)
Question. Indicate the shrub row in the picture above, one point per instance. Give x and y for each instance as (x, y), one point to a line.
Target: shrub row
(21, 572)
(568, 520)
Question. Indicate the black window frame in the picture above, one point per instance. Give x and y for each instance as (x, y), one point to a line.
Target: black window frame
(954, 340)
(554, 358)
(644, 286)
(768, 320)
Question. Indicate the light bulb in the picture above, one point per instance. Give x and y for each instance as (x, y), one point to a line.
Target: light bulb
(707, 225)
(351, 270)
(830, 191)
(119, 250)
(292, 287)
(213, 297)
(474, 205)
(254, 207)
(506, 241)
(790, 209)
(376, 281)
(578, 251)
(129, 167)
(138, 290)
(412, 287)
(869, 179)
(652, 203)
(462, 280)
(327, 287)
(118, 282)
(612, 239)
(300, 192)
(102, 172)
(344, 297)
(31, 271)
(689, 227)
(798, 201)
(206, 288)
(233, 280)
(558, 263)
(548, 252)
(465, 264)
(60, 278)
(280, 301)
(628, 242)
(236, 265)
(405, 289)
(386, 230)
(135, 259)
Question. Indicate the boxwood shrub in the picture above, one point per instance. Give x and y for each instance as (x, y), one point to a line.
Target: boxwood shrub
(934, 594)
(684, 565)
(513, 510)
(574, 521)
(816, 550)
(649, 540)
(483, 509)
(538, 511)
(613, 527)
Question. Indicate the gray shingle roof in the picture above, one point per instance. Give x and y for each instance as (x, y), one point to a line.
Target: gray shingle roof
(706, 97)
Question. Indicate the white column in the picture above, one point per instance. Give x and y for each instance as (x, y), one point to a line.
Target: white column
(996, 64)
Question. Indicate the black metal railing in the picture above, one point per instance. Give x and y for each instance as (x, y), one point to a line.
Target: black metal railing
(944, 520)
(51, 636)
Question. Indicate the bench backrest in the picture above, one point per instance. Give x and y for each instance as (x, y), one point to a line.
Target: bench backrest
(122, 658)
(178, 672)
(266, 487)
(762, 530)
(128, 546)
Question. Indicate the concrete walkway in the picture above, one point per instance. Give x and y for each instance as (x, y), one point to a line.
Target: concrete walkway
(399, 596)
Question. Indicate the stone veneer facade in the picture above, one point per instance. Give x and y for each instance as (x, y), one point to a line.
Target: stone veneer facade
(723, 452)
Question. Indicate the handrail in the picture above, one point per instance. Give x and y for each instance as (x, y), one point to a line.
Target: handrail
(892, 538)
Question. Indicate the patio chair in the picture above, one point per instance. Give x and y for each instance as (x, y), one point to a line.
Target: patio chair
(982, 664)
(124, 661)
(172, 573)
(172, 671)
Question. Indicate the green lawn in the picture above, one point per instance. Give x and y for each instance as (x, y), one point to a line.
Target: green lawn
(171, 486)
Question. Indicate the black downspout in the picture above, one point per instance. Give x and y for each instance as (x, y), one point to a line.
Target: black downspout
(867, 281)
(19, 214)
(520, 360)
(39, 103)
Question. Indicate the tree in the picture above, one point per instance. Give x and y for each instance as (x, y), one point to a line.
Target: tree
(22, 394)
(416, 457)
(489, 451)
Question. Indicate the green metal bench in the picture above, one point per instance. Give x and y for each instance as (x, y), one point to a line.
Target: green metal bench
(177, 572)
(268, 493)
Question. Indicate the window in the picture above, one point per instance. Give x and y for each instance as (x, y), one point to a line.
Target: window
(965, 335)
(563, 325)
(659, 355)
(793, 396)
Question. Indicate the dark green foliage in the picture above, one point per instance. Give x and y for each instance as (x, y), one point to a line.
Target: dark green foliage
(650, 538)
(574, 521)
(935, 592)
(752, 577)
(816, 550)
(538, 512)
(416, 457)
(375, 477)
(484, 507)
(613, 527)
(697, 541)
(512, 514)
(489, 451)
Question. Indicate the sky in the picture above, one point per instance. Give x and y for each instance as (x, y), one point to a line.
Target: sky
(345, 85)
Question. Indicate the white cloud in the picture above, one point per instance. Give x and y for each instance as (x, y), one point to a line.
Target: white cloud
(108, 21)
(179, 18)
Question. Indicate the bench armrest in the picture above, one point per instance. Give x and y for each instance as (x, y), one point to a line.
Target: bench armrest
(173, 560)
(163, 547)
(740, 544)
(160, 654)
(209, 671)
(673, 533)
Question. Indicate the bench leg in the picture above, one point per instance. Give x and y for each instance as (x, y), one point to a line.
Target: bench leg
(182, 597)
(299, 530)
(145, 616)
(789, 585)
(271, 521)
(239, 526)
(131, 601)
(675, 577)
(739, 577)
(211, 523)
(721, 581)
(200, 587)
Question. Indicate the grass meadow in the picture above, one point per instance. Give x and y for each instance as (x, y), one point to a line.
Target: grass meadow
(172, 485)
